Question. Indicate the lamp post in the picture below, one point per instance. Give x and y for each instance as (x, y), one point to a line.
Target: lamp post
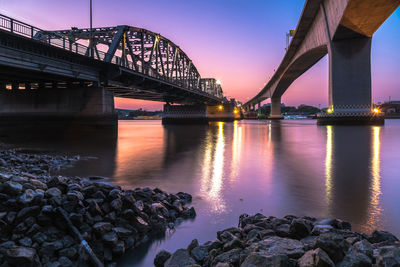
(91, 32)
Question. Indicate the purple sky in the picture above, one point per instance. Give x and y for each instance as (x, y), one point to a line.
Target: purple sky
(240, 42)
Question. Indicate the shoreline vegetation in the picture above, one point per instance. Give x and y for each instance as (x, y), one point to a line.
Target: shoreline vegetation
(261, 241)
(51, 220)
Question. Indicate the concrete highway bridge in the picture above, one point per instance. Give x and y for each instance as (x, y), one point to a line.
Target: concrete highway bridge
(75, 74)
(343, 29)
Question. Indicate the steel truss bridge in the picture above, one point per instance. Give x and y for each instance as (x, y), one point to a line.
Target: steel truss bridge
(132, 62)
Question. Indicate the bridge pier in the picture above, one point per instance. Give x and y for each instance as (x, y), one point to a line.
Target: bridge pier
(276, 109)
(51, 106)
(350, 99)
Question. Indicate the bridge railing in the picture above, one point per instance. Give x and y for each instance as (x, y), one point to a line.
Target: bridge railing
(29, 31)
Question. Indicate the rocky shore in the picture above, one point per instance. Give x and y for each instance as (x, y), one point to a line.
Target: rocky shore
(51, 220)
(261, 241)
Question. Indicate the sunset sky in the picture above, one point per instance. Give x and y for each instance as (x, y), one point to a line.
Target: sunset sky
(239, 42)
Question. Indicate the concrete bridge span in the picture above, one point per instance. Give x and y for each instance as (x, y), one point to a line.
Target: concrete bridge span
(343, 29)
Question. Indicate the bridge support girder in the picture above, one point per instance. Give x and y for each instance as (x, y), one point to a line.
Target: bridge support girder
(350, 96)
(276, 109)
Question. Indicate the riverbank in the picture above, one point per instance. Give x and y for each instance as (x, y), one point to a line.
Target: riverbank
(52, 220)
(261, 241)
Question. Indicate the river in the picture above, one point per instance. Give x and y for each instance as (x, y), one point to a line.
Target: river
(276, 168)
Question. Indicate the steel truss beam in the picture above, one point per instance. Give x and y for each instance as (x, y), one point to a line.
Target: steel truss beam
(140, 50)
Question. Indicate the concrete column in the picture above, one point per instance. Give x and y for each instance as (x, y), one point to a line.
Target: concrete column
(350, 99)
(91, 106)
(350, 75)
(276, 109)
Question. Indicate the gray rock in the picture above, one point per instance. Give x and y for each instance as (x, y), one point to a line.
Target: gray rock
(102, 227)
(275, 245)
(116, 204)
(192, 245)
(231, 257)
(53, 192)
(119, 248)
(70, 253)
(122, 232)
(21, 256)
(363, 247)
(321, 229)
(333, 244)
(300, 228)
(261, 260)
(110, 238)
(315, 258)
(25, 242)
(12, 188)
(235, 243)
(355, 259)
(161, 258)
(283, 230)
(27, 197)
(199, 253)
(65, 262)
(380, 236)
(189, 213)
(179, 258)
(388, 256)
(38, 184)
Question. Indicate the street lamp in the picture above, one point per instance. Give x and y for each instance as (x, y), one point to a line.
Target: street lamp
(91, 32)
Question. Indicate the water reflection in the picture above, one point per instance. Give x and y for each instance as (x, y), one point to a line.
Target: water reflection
(352, 174)
(212, 179)
(374, 211)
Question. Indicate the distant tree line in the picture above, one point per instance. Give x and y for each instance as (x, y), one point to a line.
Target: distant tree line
(290, 110)
(125, 114)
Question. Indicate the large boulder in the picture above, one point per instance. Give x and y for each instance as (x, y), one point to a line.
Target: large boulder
(22, 256)
(381, 236)
(388, 256)
(161, 258)
(275, 245)
(180, 258)
(261, 260)
(315, 258)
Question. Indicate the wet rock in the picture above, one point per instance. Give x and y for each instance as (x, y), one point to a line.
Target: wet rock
(300, 228)
(25, 242)
(333, 244)
(262, 260)
(199, 253)
(381, 236)
(122, 232)
(53, 192)
(192, 245)
(235, 243)
(70, 252)
(12, 188)
(65, 262)
(110, 238)
(231, 257)
(102, 227)
(27, 197)
(277, 245)
(363, 247)
(388, 256)
(161, 258)
(189, 213)
(119, 248)
(315, 258)
(179, 258)
(21, 256)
